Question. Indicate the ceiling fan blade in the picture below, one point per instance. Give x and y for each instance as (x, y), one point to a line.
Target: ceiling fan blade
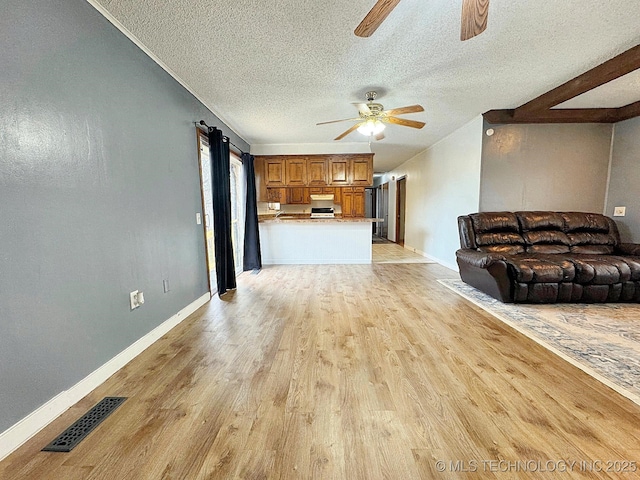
(402, 110)
(474, 18)
(404, 122)
(363, 108)
(379, 136)
(375, 17)
(344, 134)
(336, 121)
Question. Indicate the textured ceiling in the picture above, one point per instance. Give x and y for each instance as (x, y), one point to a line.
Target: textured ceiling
(272, 69)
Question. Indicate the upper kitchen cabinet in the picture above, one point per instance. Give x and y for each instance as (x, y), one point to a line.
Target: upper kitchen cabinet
(342, 170)
(339, 170)
(274, 172)
(317, 171)
(361, 170)
(295, 171)
(351, 170)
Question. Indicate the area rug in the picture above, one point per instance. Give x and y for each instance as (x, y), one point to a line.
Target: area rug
(602, 340)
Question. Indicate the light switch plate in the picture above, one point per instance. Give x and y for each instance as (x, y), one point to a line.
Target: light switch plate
(198, 218)
(619, 211)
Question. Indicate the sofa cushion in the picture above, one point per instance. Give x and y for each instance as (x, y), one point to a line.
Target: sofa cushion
(546, 241)
(547, 249)
(633, 264)
(502, 249)
(594, 243)
(495, 222)
(567, 266)
(534, 269)
(590, 222)
(591, 233)
(543, 232)
(600, 269)
(540, 221)
(546, 237)
(497, 232)
(592, 249)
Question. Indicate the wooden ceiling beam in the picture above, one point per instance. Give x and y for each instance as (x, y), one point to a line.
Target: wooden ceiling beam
(559, 115)
(539, 110)
(618, 66)
(628, 111)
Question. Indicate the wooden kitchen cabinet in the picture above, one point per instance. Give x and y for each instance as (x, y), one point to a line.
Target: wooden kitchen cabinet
(353, 202)
(316, 171)
(337, 198)
(339, 170)
(261, 187)
(298, 196)
(277, 195)
(296, 171)
(330, 171)
(351, 170)
(361, 171)
(274, 172)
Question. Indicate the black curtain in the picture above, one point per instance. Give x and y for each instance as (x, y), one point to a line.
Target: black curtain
(221, 193)
(252, 256)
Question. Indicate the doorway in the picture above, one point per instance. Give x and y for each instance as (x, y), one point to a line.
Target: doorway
(370, 206)
(383, 211)
(401, 199)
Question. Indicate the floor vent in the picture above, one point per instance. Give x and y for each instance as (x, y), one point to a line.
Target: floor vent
(72, 436)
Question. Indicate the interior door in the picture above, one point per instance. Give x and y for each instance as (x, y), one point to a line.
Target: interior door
(383, 210)
(401, 191)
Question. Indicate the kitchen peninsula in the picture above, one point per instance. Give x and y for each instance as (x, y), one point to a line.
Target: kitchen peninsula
(299, 184)
(315, 241)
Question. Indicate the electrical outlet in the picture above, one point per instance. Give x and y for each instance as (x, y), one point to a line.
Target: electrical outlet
(136, 299)
(133, 300)
(619, 211)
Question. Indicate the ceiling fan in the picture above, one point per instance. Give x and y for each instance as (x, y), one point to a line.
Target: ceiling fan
(474, 18)
(373, 117)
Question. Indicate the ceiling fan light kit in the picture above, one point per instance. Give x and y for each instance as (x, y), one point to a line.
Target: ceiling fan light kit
(371, 127)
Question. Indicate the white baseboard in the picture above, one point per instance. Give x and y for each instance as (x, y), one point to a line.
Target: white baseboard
(439, 261)
(26, 428)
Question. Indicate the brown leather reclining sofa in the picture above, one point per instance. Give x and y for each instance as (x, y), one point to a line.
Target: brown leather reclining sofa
(548, 257)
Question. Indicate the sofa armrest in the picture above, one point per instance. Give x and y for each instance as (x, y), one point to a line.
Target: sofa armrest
(632, 249)
(478, 259)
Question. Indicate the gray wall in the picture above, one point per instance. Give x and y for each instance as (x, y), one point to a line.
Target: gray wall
(99, 188)
(545, 167)
(624, 184)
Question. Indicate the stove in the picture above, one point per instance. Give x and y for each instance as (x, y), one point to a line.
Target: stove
(322, 212)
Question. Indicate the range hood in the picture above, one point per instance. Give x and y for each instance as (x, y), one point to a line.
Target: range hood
(323, 196)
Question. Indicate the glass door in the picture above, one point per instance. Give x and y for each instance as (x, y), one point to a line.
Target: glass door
(207, 207)
(237, 211)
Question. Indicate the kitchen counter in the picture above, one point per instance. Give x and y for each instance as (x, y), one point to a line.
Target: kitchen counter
(307, 219)
(299, 239)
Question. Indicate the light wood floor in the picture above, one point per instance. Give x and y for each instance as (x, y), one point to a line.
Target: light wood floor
(342, 372)
(394, 253)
